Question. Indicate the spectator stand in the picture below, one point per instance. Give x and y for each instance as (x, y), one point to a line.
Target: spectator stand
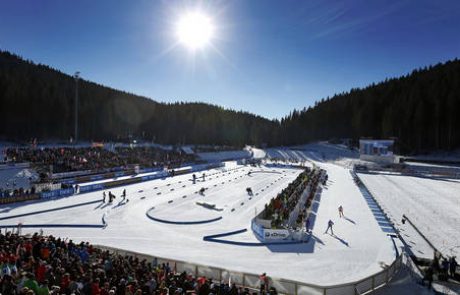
(283, 217)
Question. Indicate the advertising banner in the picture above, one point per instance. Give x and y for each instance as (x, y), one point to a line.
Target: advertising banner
(276, 234)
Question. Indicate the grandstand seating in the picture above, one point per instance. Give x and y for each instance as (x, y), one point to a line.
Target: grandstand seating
(48, 265)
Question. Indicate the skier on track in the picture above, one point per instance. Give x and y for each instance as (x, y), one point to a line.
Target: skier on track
(111, 197)
(103, 197)
(194, 178)
(403, 220)
(341, 211)
(204, 175)
(330, 223)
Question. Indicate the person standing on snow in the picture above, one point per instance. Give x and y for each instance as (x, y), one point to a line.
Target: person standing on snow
(124, 196)
(341, 211)
(330, 223)
(111, 197)
(428, 277)
(452, 266)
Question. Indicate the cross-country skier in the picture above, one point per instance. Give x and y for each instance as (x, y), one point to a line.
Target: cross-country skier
(341, 211)
(204, 175)
(330, 223)
(202, 191)
(249, 191)
(103, 197)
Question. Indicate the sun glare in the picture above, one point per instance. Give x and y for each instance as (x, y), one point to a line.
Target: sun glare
(195, 30)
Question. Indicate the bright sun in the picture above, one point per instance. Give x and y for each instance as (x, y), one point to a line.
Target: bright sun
(195, 30)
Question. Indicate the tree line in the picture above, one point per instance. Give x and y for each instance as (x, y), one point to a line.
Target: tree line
(38, 102)
(419, 109)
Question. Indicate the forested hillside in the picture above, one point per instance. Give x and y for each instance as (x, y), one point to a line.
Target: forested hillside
(419, 109)
(38, 102)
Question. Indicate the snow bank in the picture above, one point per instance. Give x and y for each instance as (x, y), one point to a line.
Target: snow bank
(432, 205)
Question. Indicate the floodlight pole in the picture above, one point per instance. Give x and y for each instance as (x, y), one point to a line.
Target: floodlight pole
(76, 76)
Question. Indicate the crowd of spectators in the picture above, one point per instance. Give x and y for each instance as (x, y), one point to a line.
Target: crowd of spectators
(42, 265)
(12, 192)
(94, 159)
(280, 207)
(65, 159)
(153, 157)
(443, 267)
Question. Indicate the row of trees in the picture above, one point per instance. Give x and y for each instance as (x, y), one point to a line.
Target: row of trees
(419, 109)
(38, 102)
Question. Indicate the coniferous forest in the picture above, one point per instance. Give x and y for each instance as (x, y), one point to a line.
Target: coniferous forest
(419, 110)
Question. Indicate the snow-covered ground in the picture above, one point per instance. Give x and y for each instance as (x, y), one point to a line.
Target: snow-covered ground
(358, 249)
(318, 152)
(433, 205)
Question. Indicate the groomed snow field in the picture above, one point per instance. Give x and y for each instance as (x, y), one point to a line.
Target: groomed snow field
(359, 248)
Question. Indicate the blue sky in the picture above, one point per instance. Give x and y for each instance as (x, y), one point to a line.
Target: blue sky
(267, 57)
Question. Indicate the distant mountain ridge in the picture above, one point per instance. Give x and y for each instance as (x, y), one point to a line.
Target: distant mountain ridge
(419, 109)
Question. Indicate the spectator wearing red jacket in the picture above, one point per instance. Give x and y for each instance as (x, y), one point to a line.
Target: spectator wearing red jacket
(95, 288)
